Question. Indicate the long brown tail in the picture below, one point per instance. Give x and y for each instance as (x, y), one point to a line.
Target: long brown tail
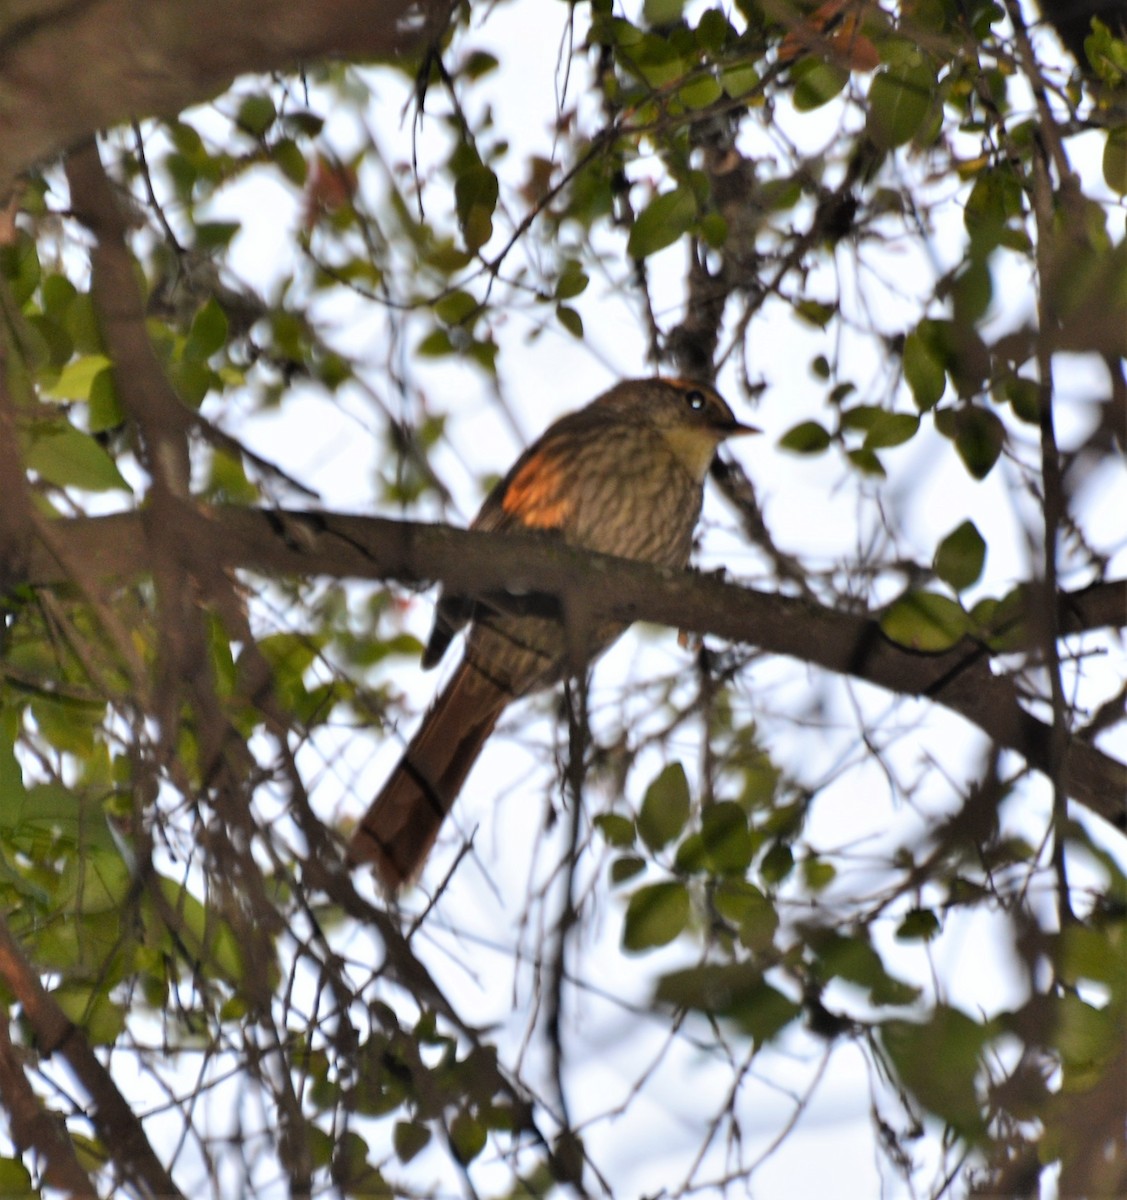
(400, 827)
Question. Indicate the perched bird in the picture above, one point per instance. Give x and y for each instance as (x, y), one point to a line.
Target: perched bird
(623, 476)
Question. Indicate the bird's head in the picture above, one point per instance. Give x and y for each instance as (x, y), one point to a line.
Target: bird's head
(690, 415)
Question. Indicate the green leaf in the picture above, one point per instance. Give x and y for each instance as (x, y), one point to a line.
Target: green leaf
(351, 1170)
(192, 380)
(200, 933)
(104, 411)
(666, 218)
(938, 1060)
(734, 990)
(919, 925)
(215, 235)
(1115, 160)
(57, 293)
(409, 1138)
(961, 556)
(725, 838)
(818, 874)
(100, 882)
(765, 1012)
(665, 807)
(714, 230)
(615, 828)
(700, 92)
(1107, 54)
(778, 195)
(626, 866)
(68, 723)
(290, 653)
(19, 265)
(76, 378)
(978, 435)
(852, 957)
(899, 101)
(714, 32)
(227, 480)
(655, 915)
(571, 283)
(570, 320)
(808, 437)
(208, 334)
(1099, 955)
(1003, 623)
(925, 621)
(662, 12)
(891, 429)
(479, 63)
(15, 1182)
(257, 114)
(743, 904)
(447, 257)
(288, 158)
(971, 292)
(484, 353)
(859, 416)
(1087, 1037)
(716, 988)
(816, 83)
(924, 368)
(436, 344)
(777, 863)
(12, 790)
(102, 1020)
(657, 61)
(45, 807)
(1023, 396)
(995, 198)
(46, 341)
(690, 856)
(467, 1137)
(815, 312)
(67, 457)
(867, 461)
(739, 80)
(457, 307)
(475, 198)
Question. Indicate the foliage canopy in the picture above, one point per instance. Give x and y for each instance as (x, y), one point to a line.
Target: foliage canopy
(898, 230)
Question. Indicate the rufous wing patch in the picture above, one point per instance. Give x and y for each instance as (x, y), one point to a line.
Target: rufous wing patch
(535, 497)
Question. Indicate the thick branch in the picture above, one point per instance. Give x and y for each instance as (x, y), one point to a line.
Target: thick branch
(70, 68)
(309, 544)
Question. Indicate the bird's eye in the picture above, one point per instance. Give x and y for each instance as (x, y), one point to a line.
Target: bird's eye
(695, 400)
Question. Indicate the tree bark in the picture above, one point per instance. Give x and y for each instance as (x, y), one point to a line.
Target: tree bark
(71, 67)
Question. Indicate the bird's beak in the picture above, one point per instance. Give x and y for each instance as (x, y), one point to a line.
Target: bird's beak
(738, 429)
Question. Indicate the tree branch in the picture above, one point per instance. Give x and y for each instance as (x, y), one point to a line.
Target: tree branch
(69, 69)
(34, 1128)
(475, 563)
(113, 1119)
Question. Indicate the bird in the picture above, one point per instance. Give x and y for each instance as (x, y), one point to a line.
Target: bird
(623, 475)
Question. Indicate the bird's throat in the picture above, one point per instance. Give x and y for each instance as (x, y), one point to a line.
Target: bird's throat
(693, 449)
